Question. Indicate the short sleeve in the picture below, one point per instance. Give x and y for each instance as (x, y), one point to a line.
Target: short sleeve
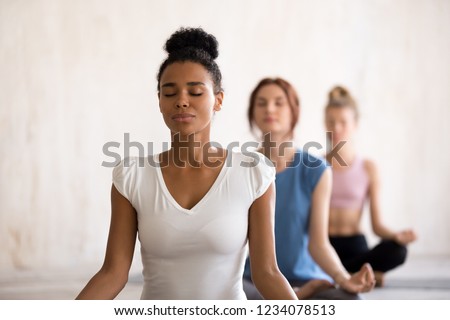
(123, 177)
(263, 174)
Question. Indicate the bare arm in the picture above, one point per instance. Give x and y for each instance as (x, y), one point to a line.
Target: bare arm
(265, 273)
(113, 275)
(319, 245)
(378, 227)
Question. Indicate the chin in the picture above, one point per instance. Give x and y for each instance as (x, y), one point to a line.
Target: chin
(182, 131)
(270, 129)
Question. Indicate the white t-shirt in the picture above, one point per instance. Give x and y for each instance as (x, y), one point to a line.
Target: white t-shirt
(197, 253)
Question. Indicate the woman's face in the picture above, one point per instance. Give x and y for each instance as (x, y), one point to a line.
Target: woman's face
(272, 112)
(186, 98)
(341, 122)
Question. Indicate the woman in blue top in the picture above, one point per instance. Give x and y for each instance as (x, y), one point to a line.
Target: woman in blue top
(303, 186)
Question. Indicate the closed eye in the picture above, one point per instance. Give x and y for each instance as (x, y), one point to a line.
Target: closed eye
(261, 103)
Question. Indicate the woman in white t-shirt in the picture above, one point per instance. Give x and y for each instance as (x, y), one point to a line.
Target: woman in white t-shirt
(194, 207)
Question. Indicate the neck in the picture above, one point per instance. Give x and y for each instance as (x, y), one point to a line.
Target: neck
(347, 152)
(191, 149)
(279, 149)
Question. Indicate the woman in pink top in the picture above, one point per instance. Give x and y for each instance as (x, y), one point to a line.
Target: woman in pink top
(355, 181)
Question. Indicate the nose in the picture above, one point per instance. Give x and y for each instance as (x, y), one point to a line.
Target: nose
(182, 102)
(270, 107)
(336, 127)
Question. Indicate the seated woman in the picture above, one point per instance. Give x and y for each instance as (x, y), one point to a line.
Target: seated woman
(194, 207)
(355, 181)
(303, 185)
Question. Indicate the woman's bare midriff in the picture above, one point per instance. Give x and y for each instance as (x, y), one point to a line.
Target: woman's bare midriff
(344, 222)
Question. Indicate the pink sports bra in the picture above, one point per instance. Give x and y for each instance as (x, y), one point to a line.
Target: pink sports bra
(350, 186)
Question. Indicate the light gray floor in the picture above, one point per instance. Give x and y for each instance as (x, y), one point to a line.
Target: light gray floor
(421, 278)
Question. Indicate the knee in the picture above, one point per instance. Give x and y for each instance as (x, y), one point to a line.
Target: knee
(398, 252)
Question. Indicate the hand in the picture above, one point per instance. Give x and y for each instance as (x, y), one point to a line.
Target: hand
(404, 237)
(361, 281)
(311, 288)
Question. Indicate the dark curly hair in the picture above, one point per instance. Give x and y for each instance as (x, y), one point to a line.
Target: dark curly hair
(194, 45)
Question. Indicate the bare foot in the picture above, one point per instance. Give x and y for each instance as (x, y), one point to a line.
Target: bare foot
(311, 288)
(379, 278)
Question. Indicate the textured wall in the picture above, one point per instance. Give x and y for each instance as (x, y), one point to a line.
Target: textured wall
(76, 74)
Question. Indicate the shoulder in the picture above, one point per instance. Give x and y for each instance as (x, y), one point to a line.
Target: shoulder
(251, 159)
(312, 168)
(131, 169)
(370, 166)
(126, 165)
(312, 162)
(255, 167)
(124, 176)
(372, 171)
(131, 164)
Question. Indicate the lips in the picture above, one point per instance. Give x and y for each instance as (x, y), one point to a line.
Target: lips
(183, 117)
(269, 120)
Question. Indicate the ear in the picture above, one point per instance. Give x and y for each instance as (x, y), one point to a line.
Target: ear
(219, 101)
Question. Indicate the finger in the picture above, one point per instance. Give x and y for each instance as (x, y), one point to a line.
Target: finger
(361, 276)
(368, 270)
(370, 275)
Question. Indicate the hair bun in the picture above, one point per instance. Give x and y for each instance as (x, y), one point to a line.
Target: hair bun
(339, 96)
(194, 38)
(338, 93)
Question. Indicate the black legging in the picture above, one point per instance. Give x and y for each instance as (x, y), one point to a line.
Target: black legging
(354, 252)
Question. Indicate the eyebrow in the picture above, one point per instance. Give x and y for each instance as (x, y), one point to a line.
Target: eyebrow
(195, 83)
(191, 84)
(276, 98)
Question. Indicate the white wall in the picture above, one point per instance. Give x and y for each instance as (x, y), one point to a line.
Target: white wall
(76, 74)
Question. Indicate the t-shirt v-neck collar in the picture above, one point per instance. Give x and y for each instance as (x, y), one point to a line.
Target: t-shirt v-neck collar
(207, 195)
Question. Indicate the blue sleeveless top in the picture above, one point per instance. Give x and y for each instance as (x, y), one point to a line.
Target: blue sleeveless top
(294, 188)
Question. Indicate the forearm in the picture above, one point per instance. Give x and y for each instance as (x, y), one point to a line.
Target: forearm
(103, 286)
(326, 257)
(383, 232)
(272, 285)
